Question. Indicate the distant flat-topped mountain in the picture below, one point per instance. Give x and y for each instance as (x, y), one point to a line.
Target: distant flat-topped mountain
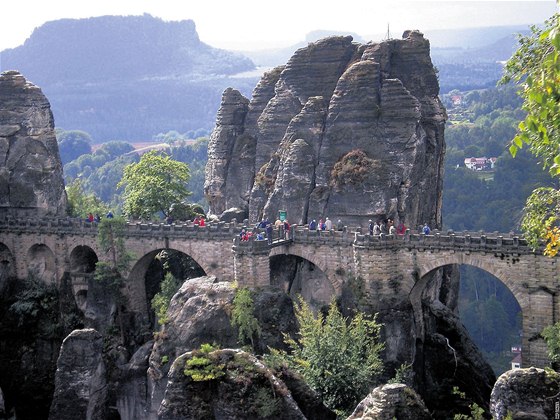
(126, 77)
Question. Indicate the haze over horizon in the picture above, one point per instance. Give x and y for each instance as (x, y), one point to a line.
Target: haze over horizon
(248, 25)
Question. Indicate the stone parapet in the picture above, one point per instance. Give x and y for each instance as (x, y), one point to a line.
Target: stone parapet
(463, 241)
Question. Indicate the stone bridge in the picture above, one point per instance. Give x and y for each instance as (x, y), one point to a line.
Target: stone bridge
(385, 266)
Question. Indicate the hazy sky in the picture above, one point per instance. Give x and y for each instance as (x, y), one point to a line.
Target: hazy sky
(258, 24)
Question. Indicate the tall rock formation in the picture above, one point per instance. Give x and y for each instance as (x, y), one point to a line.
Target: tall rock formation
(31, 182)
(343, 130)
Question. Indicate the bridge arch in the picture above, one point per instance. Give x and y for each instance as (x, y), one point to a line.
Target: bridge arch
(82, 266)
(322, 285)
(42, 263)
(83, 259)
(497, 266)
(139, 293)
(518, 273)
(7, 265)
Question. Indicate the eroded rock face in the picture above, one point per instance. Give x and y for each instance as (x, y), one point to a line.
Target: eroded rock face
(2, 408)
(238, 387)
(200, 313)
(31, 182)
(391, 401)
(80, 387)
(342, 130)
(526, 394)
(133, 398)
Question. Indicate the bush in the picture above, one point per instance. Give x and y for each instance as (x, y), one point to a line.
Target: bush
(339, 358)
(242, 316)
(202, 366)
(162, 299)
(352, 169)
(551, 335)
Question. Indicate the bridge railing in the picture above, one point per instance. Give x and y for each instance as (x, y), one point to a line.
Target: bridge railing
(489, 241)
(492, 241)
(133, 228)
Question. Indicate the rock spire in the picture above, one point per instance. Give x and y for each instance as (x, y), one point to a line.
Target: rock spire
(343, 130)
(31, 182)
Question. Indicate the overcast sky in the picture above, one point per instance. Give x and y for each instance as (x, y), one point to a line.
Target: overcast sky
(261, 24)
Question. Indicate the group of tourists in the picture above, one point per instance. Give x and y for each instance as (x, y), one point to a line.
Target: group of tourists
(199, 221)
(90, 218)
(264, 230)
(326, 225)
(386, 227)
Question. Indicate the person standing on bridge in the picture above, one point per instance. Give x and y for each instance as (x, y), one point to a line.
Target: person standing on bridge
(286, 229)
(426, 229)
(328, 224)
(339, 225)
(269, 230)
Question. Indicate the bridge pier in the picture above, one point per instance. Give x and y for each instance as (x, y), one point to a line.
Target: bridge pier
(251, 263)
(538, 315)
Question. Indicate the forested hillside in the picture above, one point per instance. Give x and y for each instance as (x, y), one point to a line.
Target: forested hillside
(482, 123)
(128, 78)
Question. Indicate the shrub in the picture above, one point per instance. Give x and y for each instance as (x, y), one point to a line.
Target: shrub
(162, 299)
(551, 335)
(242, 316)
(352, 169)
(202, 366)
(339, 358)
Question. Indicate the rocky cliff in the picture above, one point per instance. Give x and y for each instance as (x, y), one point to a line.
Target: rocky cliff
(526, 394)
(31, 180)
(343, 130)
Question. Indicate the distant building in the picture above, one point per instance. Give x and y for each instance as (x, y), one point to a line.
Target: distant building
(457, 100)
(516, 362)
(480, 163)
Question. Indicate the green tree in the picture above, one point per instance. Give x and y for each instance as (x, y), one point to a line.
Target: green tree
(551, 335)
(338, 358)
(162, 299)
(80, 203)
(535, 68)
(110, 238)
(243, 317)
(153, 185)
(72, 144)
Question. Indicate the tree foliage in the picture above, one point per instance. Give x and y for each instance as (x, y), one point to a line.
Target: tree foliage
(338, 358)
(153, 185)
(243, 317)
(535, 67)
(551, 335)
(162, 299)
(110, 237)
(80, 203)
(72, 144)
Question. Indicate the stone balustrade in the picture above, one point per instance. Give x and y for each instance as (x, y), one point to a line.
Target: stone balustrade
(488, 241)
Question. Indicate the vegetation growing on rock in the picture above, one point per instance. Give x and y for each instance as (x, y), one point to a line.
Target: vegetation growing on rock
(339, 358)
(243, 316)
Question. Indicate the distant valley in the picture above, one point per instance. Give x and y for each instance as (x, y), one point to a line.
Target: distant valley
(132, 78)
